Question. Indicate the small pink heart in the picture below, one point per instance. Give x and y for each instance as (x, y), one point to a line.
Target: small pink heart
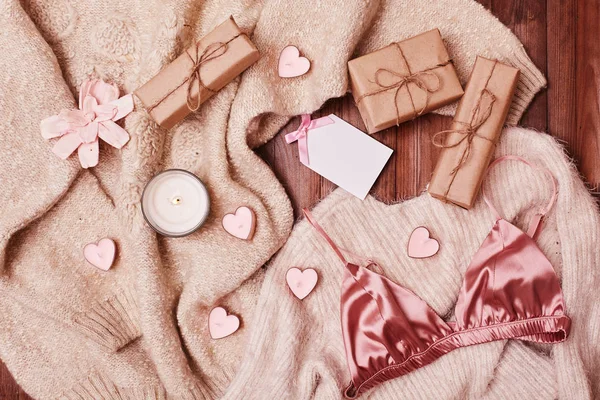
(291, 64)
(300, 282)
(220, 324)
(421, 245)
(241, 224)
(101, 254)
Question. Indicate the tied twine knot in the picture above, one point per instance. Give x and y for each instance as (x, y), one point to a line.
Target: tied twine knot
(401, 80)
(469, 130)
(211, 52)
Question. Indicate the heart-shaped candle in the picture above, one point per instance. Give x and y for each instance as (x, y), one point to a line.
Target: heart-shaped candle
(220, 324)
(291, 64)
(421, 245)
(241, 224)
(102, 254)
(300, 282)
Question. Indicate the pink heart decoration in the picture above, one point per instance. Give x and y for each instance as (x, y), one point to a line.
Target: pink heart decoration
(220, 324)
(102, 254)
(291, 64)
(421, 245)
(241, 224)
(300, 282)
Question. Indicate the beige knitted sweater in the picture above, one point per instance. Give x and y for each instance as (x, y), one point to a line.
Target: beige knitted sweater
(296, 349)
(139, 331)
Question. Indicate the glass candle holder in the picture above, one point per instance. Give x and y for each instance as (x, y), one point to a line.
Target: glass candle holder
(175, 203)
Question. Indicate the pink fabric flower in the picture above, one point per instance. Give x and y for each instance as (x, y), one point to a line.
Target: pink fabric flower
(99, 108)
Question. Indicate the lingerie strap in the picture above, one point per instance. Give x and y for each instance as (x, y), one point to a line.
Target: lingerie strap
(535, 222)
(319, 229)
(533, 226)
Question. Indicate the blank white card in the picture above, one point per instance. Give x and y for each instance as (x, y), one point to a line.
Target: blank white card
(346, 156)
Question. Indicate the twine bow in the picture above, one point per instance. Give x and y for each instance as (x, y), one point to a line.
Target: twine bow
(401, 80)
(301, 135)
(469, 130)
(211, 52)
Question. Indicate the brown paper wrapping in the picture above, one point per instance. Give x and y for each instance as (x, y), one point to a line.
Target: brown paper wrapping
(403, 80)
(223, 54)
(469, 144)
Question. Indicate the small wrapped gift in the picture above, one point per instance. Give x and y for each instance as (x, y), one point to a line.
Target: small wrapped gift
(403, 81)
(469, 145)
(200, 72)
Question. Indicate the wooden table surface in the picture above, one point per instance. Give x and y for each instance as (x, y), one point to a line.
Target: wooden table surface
(563, 39)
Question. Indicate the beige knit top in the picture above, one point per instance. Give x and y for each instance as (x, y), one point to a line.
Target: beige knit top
(296, 349)
(139, 331)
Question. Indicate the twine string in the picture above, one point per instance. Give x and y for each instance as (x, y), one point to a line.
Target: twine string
(469, 130)
(194, 79)
(402, 80)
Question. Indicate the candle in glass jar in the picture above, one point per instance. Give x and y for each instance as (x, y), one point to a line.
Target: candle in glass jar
(175, 203)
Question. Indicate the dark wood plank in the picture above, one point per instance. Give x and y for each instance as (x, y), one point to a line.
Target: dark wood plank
(561, 74)
(486, 3)
(586, 140)
(301, 184)
(527, 20)
(9, 390)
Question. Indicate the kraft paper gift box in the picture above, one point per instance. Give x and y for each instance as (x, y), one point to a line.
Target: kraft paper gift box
(469, 145)
(200, 72)
(403, 81)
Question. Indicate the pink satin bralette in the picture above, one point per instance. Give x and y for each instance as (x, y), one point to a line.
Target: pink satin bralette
(510, 291)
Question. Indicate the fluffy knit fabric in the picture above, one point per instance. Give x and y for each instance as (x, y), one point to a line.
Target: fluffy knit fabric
(296, 349)
(139, 331)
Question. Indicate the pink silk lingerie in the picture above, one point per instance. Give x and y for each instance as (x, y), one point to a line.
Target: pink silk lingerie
(510, 291)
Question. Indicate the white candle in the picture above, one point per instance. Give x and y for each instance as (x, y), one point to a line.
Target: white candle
(175, 203)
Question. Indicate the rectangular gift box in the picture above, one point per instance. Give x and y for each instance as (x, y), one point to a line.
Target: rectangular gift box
(403, 80)
(219, 57)
(469, 145)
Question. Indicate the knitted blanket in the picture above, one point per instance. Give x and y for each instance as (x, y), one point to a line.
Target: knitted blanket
(296, 350)
(140, 330)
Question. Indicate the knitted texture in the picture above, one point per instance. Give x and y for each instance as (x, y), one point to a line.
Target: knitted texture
(296, 350)
(139, 330)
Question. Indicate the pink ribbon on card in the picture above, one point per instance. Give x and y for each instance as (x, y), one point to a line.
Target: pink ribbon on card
(99, 107)
(301, 135)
